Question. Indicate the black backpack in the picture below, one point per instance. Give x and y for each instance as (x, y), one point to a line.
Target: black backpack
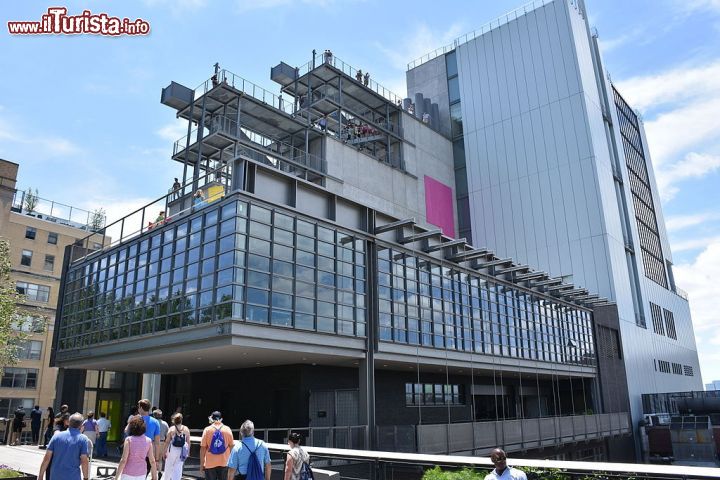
(179, 439)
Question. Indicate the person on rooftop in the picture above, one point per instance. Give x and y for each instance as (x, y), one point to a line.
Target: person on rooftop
(366, 79)
(359, 76)
(176, 188)
(198, 198)
(328, 57)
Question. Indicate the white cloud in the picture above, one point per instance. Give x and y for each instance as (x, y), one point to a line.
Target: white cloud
(694, 244)
(173, 131)
(47, 144)
(247, 5)
(694, 165)
(422, 41)
(686, 126)
(681, 222)
(688, 99)
(699, 279)
(607, 45)
(679, 83)
(689, 6)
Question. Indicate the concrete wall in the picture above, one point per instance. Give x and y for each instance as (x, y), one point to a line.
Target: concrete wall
(430, 79)
(389, 190)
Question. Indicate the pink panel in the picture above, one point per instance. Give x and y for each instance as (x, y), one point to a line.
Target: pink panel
(439, 206)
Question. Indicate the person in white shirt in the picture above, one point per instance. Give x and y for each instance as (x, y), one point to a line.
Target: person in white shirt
(103, 425)
(501, 470)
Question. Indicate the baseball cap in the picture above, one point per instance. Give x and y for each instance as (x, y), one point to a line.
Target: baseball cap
(216, 415)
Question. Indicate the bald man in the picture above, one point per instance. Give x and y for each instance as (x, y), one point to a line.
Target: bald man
(501, 470)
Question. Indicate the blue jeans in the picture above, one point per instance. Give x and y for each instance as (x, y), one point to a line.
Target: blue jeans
(101, 446)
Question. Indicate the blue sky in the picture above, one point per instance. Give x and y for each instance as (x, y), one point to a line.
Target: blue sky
(81, 114)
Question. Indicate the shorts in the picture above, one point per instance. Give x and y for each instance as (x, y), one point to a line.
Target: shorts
(133, 477)
(17, 426)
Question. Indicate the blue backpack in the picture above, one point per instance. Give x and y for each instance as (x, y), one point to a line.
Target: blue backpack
(217, 444)
(254, 469)
(306, 472)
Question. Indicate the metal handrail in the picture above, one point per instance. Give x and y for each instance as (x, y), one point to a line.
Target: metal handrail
(58, 212)
(127, 232)
(284, 150)
(483, 29)
(350, 71)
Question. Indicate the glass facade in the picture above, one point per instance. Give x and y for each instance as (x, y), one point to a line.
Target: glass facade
(239, 259)
(257, 263)
(456, 132)
(641, 192)
(422, 302)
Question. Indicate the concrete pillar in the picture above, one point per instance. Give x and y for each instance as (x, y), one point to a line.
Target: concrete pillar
(427, 108)
(406, 103)
(151, 387)
(419, 105)
(435, 117)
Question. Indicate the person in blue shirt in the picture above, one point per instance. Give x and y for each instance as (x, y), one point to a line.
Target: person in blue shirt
(152, 429)
(68, 451)
(238, 461)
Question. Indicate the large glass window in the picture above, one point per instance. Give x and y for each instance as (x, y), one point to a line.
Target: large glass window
(456, 126)
(33, 292)
(14, 377)
(9, 405)
(295, 274)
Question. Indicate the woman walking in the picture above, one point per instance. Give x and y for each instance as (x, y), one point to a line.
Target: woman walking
(136, 448)
(90, 429)
(296, 458)
(49, 428)
(178, 447)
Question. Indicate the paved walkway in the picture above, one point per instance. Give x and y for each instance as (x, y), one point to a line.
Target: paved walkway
(27, 458)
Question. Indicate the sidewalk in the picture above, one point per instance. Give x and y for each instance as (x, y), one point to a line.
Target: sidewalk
(27, 458)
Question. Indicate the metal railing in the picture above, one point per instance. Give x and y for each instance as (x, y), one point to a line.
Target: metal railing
(60, 213)
(245, 86)
(148, 216)
(359, 464)
(265, 150)
(350, 71)
(348, 437)
(681, 293)
(492, 24)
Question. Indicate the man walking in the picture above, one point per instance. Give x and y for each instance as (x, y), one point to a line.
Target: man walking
(18, 424)
(103, 428)
(215, 446)
(35, 419)
(68, 451)
(152, 429)
(164, 427)
(238, 462)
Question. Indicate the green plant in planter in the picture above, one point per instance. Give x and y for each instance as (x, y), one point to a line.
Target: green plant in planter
(546, 474)
(9, 472)
(436, 473)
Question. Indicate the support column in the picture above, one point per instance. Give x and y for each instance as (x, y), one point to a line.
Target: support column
(151, 387)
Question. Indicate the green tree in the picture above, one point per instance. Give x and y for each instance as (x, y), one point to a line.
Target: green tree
(97, 219)
(10, 338)
(30, 200)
